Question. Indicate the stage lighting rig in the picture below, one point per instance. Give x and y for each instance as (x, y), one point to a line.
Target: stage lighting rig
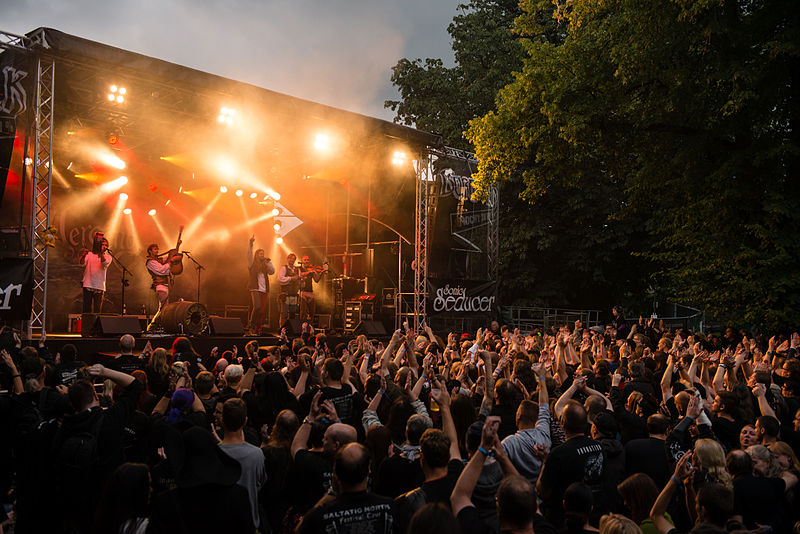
(277, 226)
(226, 115)
(123, 196)
(399, 158)
(239, 192)
(152, 213)
(223, 189)
(253, 195)
(126, 211)
(279, 240)
(116, 94)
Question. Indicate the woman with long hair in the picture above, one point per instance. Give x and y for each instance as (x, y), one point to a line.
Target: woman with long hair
(157, 370)
(638, 493)
(709, 458)
(260, 268)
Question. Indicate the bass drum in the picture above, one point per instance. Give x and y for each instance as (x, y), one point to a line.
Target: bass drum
(189, 318)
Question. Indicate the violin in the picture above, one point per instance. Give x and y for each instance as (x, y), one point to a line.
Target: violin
(315, 269)
(174, 256)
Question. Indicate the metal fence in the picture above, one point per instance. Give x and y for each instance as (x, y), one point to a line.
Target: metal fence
(528, 319)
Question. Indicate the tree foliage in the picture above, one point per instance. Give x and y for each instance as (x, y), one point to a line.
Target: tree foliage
(685, 111)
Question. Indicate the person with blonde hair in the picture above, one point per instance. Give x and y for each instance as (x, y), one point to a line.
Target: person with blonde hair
(709, 458)
(157, 370)
(618, 524)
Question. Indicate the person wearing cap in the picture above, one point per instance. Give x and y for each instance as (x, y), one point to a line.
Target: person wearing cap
(207, 497)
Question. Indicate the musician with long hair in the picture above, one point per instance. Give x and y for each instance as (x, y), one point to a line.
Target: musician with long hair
(258, 283)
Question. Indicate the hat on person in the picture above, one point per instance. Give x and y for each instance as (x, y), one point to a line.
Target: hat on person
(205, 462)
(31, 367)
(465, 336)
(606, 424)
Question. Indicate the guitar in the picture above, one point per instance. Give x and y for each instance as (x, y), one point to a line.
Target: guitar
(174, 256)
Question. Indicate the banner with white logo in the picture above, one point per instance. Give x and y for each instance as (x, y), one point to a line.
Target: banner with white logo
(16, 288)
(461, 297)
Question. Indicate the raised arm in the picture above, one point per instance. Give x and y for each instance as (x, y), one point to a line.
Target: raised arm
(442, 398)
(300, 441)
(15, 376)
(562, 401)
(682, 470)
(462, 492)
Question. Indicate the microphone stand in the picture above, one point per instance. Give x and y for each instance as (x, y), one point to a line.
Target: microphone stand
(125, 281)
(196, 266)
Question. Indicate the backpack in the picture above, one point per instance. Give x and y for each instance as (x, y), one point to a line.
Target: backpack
(77, 456)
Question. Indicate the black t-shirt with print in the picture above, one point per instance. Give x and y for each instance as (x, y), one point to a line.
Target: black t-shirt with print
(580, 459)
(352, 513)
(309, 478)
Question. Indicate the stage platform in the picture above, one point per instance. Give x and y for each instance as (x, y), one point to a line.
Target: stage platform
(101, 349)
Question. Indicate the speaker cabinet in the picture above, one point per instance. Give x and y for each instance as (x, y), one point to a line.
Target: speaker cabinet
(370, 328)
(225, 326)
(93, 325)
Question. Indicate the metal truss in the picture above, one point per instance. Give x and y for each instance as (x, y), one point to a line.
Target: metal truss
(424, 178)
(493, 234)
(42, 176)
(10, 41)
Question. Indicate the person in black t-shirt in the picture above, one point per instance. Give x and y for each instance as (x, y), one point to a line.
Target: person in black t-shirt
(312, 471)
(126, 362)
(579, 459)
(67, 368)
(354, 509)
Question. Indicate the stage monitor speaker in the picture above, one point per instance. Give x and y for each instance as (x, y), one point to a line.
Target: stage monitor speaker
(110, 325)
(88, 320)
(225, 326)
(370, 328)
(294, 327)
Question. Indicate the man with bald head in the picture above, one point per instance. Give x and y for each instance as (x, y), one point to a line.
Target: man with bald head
(126, 362)
(354, 509)
(313, 449)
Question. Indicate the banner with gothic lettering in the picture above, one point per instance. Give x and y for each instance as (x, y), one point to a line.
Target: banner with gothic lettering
(16, 288)
(17, 74)
(461, 298)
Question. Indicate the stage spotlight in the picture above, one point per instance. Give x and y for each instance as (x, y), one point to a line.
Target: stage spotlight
(277, 226)
(273, 194)
(223, 189)
(113, 185)
(113, 161)
(322, 142)
(28, 161)
(123, 196)
(279, 240)
(275, 212)
(226, 115)
(167, 202)
(116, 94)
(399, 158)
(151, 212)
(126, 211)
(239, 192)
(253, 195)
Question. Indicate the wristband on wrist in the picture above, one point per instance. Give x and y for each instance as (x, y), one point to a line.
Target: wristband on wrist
(307, 421)
(382, 392)
(675, 480)
(485, 452)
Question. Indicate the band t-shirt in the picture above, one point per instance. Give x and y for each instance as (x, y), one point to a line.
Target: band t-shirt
(352, 513)
(579, 459)
(310, 477)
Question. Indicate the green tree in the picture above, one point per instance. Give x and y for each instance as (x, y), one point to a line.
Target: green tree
(686, 111)
(444, 99)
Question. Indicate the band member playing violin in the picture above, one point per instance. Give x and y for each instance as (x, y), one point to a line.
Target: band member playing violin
(160, 269)
(308, 273)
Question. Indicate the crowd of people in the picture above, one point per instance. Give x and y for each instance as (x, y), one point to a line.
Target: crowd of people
(626, 428)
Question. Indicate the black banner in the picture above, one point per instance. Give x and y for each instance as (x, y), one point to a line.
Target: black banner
(16, 89)
(16, 288)
(461, 297)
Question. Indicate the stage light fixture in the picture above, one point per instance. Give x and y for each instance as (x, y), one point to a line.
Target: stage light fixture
(126, 211)
(167, 202)
(113, 185)
(279, 240)
(239, 192)
(275, 212)
(399, 158)
(273, 194)
(254, 195)
(322, 142)
(123, 196)
(277, 226)
(223, 189)
(113, 161)
(226, 115)
(151, 212)
(116, 94)
(28, 161)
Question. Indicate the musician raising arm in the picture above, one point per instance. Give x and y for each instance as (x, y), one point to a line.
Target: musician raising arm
(260, 267)
(160, 271)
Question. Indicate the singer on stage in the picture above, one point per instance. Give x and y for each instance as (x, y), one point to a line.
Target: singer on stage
(260, 268)
(94, 277)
